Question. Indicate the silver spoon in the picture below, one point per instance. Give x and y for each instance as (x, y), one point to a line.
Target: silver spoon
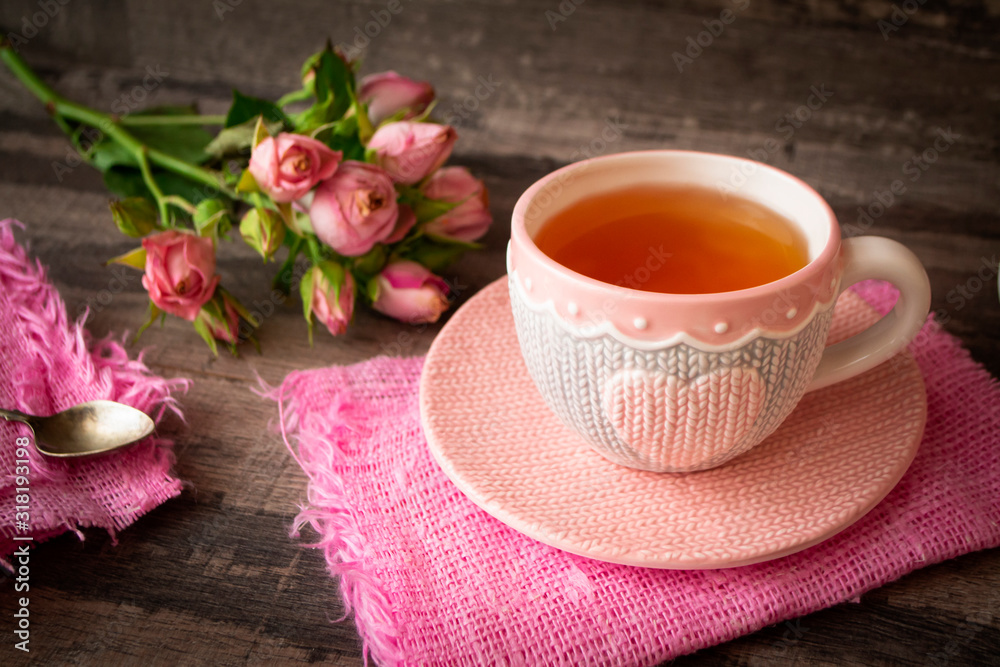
(94, 427)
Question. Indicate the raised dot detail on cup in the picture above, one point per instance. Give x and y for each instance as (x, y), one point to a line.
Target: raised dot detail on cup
(792, 312)
(572, 308)
(527, 284)
(721, 327)
(640, 323)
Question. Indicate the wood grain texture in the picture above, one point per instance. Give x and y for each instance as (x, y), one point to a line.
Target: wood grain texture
(212, 577)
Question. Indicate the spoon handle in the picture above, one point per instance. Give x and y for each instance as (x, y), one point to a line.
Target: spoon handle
(14, 415)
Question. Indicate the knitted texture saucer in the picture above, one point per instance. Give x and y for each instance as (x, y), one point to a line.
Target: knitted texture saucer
(841, 451)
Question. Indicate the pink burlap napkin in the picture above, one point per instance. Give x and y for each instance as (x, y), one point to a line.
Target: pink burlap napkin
(48, 364)
(434, 580)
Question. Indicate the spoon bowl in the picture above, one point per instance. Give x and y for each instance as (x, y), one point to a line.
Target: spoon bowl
(95, 427)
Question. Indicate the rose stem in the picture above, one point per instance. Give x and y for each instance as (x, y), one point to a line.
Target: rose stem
(61, 109)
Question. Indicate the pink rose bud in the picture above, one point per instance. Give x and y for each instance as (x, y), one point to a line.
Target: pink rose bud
(404, 223)
(410, 293)
(221, 319)
(180, 272)
(332, 304)
(470, 219)
(355, 208)
(411, 151)
(388, 93)
(287, 166)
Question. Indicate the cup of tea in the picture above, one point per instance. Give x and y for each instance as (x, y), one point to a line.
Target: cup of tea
(673, 322)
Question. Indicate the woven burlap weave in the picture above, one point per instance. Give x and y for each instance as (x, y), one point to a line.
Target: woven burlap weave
(432, 579)
(47, 364)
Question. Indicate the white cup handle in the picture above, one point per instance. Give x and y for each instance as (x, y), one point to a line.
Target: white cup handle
(874, 257)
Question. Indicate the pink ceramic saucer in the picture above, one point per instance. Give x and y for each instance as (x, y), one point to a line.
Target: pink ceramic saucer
(841, 451)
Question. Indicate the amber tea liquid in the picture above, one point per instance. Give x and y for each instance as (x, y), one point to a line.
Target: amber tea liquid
(679, 240)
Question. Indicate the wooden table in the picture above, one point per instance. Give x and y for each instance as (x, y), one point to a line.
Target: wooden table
(212, 576)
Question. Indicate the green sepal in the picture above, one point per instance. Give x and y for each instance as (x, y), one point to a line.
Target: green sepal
(305, 291)
(240, 309)
(334, 274)
(154, 312)
(247, 183)
(134, 216)
(300, 95)
(427, 209)
(424, 207)
(202, 328)
(260, 131)
(364, 123)
(372, 289)
(263, 230)
(134, 258)
(212, 218)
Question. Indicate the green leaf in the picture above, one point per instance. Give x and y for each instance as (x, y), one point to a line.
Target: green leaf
(127, 182)
(433, 254)
(238, 138)
(333, 89)
(343, 136)
(134, 216)
(449, 241)
(168, 110)
(106, 154)
(184, 142)
(246, 108)
(372, 261)
(208, 208)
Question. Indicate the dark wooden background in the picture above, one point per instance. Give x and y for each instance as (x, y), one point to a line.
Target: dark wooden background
(212, 577)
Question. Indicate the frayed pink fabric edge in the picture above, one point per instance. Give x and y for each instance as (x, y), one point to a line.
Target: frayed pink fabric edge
(102, 362)
(329, 513)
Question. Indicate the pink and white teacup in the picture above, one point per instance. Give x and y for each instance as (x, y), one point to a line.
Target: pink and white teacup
(685, 382)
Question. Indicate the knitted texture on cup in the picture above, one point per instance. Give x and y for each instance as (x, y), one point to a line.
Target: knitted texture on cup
(48, 364)
(676, 409)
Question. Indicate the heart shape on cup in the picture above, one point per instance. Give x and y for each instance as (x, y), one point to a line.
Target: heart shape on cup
(680, 425)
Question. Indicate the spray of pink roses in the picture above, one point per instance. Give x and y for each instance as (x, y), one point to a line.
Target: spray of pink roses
(353, 182)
